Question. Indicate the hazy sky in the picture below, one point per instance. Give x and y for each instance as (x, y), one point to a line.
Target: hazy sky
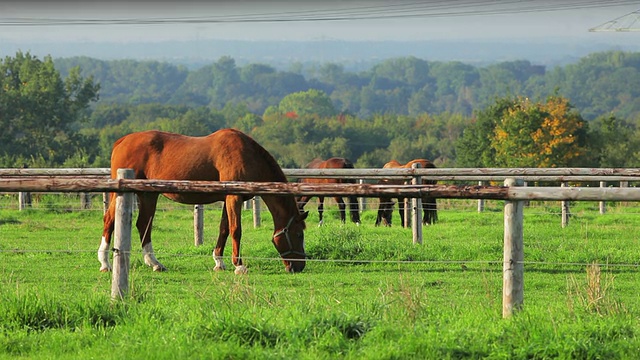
(309, 20)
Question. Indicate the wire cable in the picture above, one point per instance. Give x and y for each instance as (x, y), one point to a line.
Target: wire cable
(401, 10)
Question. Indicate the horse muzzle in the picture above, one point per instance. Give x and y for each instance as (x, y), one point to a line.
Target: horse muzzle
(294, 265)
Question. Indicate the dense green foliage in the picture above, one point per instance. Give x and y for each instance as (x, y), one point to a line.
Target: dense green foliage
(38, 110)
(455, 114)
(368, 293)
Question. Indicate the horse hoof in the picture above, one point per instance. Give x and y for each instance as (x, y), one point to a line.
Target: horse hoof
(219, 268)
(105, 269)
(240, 270)
(159, 268)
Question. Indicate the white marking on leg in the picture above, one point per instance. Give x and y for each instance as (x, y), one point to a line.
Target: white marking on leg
(219, 262)
(150, 258)
(103, 255)
(240, 270)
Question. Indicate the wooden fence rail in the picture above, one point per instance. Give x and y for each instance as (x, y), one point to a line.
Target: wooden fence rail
(442, 174)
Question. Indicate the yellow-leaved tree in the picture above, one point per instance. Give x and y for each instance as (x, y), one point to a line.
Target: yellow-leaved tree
(548, 134)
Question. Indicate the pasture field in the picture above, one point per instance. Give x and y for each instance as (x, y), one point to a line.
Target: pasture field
(366, 293)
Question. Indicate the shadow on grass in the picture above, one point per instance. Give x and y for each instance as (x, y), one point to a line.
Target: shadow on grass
(9, 222)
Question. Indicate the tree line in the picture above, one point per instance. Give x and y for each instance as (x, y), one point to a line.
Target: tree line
(68, 112)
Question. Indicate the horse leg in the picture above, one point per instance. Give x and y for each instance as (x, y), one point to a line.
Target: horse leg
(320, 210)
(233, 203)
(354, 209)
(384, 205)
(222, 240)
(109, 221)
(342, 208)
(144, 224)
(430, 215)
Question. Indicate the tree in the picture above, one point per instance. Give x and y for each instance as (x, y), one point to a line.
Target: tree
(613, 142)
(305, 103)
(38, 109)
(539, 135)
(473, 148)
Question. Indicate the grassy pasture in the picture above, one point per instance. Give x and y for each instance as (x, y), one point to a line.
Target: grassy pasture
(366, 293)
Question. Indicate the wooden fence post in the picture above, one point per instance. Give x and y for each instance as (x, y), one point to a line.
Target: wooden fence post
(362, 200)
(122, 240)
(513, 266)
(480, 201)
(85, 201)
(602, 206)
(566, 212)
(256, 211)
(24, 200)
(198, 224)
(416, 210)
(624, 184)
(105, 202)
(407, 213)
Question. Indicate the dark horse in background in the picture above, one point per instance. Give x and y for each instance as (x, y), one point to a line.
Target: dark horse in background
(332, 163)
(385, 209)
(225, 155)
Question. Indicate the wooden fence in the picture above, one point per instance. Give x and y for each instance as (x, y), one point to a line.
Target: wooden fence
(16, 180)
(481, 176)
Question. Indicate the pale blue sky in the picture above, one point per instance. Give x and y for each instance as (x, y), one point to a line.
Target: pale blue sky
(468, 19)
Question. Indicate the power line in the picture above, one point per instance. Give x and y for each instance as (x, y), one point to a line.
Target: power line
(401, 10)
(623, 23)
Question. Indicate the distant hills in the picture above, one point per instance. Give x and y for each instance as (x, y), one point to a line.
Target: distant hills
(354, 55)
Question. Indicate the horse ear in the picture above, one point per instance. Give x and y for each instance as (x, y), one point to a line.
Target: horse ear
(303, 216)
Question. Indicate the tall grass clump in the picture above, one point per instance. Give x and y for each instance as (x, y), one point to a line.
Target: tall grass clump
(594, 294)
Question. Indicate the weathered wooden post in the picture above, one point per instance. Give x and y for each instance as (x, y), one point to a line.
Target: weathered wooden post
(85, 201)
(566, 212)
(624, 184)
(24, 200)
(256, 211)
(105, 202)
(480, 201)
(407, 213)
(122, 240)
(362, 200)
(603, 208)
(198, 224)
(513, 266)
(416, 210)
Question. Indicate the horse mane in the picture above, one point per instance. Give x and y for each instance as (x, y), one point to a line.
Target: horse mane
(271, 161)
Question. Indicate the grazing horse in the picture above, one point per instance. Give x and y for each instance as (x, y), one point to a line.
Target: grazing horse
(332, 163)
(225, 155)
(385, 209)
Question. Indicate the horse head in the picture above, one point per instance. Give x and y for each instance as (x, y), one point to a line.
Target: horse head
(289, 241)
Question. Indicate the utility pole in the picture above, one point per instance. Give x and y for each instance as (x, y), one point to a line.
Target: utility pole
(625, 23)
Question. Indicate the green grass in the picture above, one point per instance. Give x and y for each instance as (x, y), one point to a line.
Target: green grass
(367, 293)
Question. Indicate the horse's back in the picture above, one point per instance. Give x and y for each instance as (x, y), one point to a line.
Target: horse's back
(331, 163)
(424, 163)
(161, 155)
(336, 163)
(394, 164)
(225, 155)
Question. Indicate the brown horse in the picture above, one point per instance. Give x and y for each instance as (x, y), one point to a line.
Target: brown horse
(332, 163)
(225, 155)
(385, 209)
